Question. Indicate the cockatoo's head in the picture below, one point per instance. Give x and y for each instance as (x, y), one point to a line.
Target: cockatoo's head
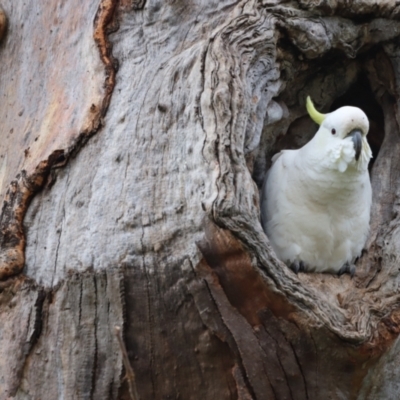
(342, 137)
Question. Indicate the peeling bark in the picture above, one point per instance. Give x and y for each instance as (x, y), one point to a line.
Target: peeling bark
(136, 136)
(33, 177)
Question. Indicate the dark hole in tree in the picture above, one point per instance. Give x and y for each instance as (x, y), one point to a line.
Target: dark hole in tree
(360, 95)
(302, 129)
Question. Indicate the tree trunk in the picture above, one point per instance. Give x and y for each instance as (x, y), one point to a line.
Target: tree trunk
(136, 136)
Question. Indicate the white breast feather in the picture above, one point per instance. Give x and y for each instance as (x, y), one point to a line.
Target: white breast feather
(320, 218)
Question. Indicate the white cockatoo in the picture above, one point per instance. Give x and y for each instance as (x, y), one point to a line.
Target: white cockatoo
(316, 200)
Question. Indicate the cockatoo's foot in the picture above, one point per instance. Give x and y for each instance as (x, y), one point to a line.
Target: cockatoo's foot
(347, 268)
(297, 266)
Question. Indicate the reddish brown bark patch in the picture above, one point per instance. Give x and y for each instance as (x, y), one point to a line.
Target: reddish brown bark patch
(242, 283)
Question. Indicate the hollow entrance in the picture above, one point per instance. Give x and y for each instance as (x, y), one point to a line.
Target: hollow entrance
(333, 84)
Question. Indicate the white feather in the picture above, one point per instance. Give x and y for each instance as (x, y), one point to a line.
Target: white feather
(316, 200)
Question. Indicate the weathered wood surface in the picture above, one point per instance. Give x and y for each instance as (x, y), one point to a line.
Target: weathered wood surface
(153, 223)
(56, 83)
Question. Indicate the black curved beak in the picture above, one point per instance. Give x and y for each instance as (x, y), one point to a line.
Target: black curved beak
(356, 137)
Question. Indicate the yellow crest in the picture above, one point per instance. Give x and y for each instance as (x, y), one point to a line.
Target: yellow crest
(314, 114)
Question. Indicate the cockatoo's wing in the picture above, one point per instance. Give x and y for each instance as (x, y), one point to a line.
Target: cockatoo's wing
(277, 155)
(273, 198)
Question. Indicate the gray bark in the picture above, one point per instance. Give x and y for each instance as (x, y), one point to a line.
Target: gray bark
(136, 136)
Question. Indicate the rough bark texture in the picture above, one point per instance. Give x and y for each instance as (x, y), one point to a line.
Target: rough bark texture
(153, 223)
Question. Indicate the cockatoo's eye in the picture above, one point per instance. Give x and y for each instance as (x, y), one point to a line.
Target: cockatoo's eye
(333, 131)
